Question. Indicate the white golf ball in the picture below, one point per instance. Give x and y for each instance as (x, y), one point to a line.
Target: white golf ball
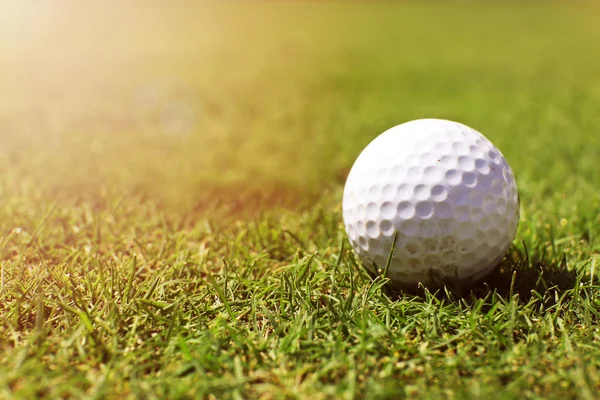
(444, 191)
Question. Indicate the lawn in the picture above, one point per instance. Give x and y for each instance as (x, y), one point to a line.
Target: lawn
(171, 180)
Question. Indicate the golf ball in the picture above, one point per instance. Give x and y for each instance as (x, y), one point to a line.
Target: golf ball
(446, 194)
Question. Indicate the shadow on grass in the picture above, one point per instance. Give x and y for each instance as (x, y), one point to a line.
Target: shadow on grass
(517, 274)
(522, 278)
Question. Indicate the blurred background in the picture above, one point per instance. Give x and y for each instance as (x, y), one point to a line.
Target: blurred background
(190, 103)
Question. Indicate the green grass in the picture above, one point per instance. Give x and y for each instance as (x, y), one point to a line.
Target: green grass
(171, 179)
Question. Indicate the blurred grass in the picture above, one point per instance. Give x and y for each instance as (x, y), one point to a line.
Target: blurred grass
(174, 101)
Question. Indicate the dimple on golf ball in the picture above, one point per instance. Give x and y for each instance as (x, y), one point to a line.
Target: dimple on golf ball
(446, 194)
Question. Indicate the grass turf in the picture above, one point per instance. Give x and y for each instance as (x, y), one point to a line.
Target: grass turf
(171, 222)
